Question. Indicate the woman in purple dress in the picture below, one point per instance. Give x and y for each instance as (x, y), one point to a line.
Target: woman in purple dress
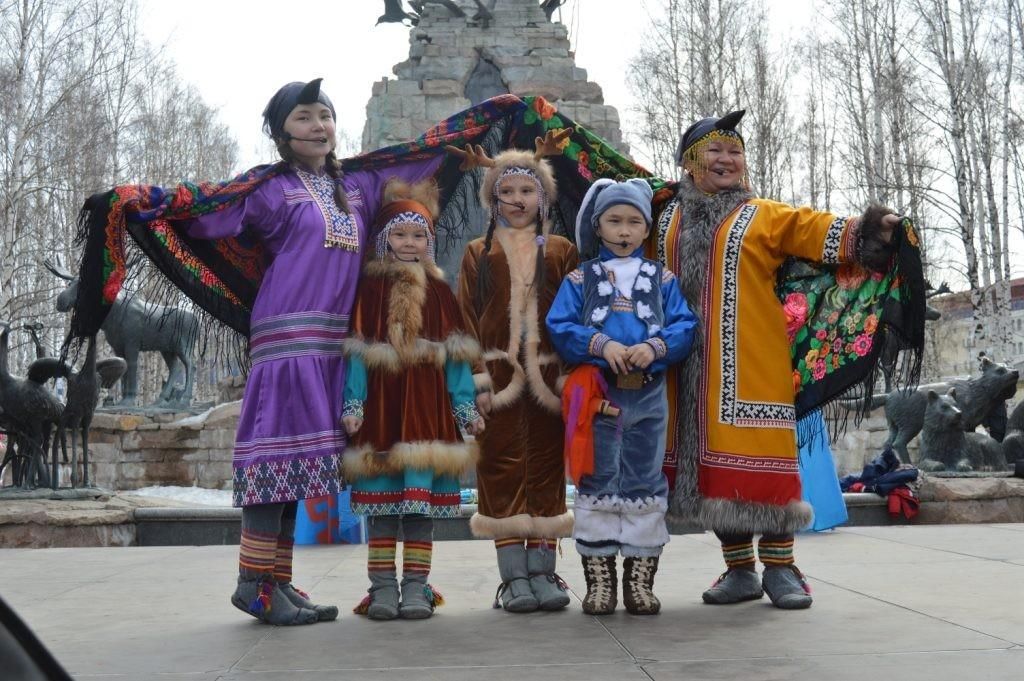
(312, 223)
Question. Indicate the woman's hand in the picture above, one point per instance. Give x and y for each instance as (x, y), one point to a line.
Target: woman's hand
(352, 424)
(476, 426)
(889, 224)
(483, 403)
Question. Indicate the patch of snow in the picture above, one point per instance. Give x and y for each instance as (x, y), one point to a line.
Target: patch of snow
(193, 495)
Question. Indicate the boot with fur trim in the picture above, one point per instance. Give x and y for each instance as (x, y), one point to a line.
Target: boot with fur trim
(514, 593)
(602, 585)
(638, 585)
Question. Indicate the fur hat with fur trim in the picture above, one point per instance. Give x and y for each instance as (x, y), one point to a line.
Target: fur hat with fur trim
(522, 163)
(407, 204)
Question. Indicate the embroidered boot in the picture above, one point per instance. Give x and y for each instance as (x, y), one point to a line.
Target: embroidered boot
(638, 584)
(261, 598)
(514, 592)
(787, 588)
(602, 585)
(283, 569)
(734, 586)
(547, 586)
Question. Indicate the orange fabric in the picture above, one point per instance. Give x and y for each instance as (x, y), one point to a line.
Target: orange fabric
(584, 391)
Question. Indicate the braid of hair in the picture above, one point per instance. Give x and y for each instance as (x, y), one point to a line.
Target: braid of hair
(483, 276)
(538, 272)
(333, 168)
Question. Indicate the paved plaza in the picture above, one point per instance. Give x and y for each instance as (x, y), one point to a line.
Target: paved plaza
(908, 603)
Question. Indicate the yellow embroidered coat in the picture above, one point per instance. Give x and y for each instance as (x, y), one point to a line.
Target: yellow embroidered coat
(733, 401)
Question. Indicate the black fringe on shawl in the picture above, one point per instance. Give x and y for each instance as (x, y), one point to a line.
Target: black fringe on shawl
(901, 326)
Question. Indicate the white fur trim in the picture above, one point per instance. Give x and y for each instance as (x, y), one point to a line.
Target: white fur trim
(597, 519)
(444, 458)
(487, 527)
(483, 382)
(462, 348)
(605, 288)
(643, 522)
(551, 527)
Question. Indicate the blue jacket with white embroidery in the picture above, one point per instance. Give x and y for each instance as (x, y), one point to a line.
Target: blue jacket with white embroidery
(589, 311)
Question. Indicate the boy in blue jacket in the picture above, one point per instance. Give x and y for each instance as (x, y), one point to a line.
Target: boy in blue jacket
(626, 315)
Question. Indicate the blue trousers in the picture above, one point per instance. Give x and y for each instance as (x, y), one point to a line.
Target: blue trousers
(621, 507)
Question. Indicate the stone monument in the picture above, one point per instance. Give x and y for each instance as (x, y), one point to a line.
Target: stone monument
(464, 51)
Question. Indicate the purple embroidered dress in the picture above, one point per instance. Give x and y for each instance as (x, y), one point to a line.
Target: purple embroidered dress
(290, 438)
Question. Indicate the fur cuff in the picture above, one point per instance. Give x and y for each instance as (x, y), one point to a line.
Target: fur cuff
(597, 519)
(444, 458)
(522, 525)
(551, 527)
(741, 517)
(483, 383)
(872, 252)
(462, 348)
(487, 527)
(384, 357)
(647, 529)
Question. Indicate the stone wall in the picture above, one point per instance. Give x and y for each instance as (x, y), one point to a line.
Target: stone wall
(455, 62)
(129, 451)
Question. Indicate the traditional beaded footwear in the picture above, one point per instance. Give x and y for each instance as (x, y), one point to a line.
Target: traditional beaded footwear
(547, 586)
(787, 588)
(418, 599)
(514, 592)
(734, 586)
(300, 599)
(602, 585)
(261, 598)
(381, 603)
(638, 584)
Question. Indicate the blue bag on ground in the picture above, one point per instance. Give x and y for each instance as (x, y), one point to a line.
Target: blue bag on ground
(818, 474)
(329, 520)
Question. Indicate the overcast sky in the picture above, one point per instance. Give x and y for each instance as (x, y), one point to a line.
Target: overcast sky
(239, 52)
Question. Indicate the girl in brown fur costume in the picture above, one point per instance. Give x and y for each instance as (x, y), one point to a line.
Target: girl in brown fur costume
(507, 283)
(408, 392)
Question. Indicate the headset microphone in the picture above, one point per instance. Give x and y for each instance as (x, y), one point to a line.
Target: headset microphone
(520, 206)
(287, 136)
(621, 244)
(396, 256)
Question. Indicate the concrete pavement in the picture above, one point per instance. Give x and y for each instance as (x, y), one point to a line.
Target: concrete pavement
(911, 603)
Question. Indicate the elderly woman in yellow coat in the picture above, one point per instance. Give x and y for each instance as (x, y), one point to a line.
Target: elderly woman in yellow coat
(736, 447)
